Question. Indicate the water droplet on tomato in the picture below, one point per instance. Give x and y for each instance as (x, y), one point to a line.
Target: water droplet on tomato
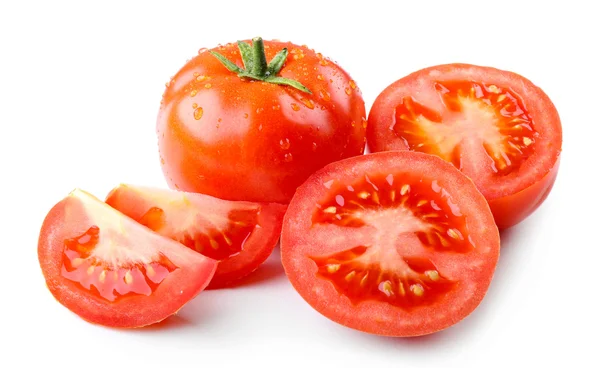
(202, 50)
(352, 84)
(320, 77)
(260, 127)
(245, 115)
(288, 157)
(193, 93)
(364, 123)
(198, 113)
(276, 107)
(194, 105)
(207, 85)
(284, 143)
(348, 91)
(353, 123)
(295, 107)
(308, 103)
(314, 146)
(326, 96)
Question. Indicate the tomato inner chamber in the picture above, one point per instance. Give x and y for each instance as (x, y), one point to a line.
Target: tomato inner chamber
(204, 236)
(361, 281)
(395, 206)
(474, 113)
(110, 281)
(425, 206)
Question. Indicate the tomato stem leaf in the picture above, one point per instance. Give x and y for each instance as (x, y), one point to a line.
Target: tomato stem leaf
(246, 52)
(288, 82)
(277, 62)
(228, 64)
(256, 67)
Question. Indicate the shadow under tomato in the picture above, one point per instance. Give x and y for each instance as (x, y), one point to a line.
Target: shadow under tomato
(197, 313)
(170, 323)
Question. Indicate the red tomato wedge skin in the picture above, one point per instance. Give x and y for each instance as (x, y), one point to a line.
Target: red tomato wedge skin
(356, 228)
(202, 221)
(499, 128)
(73, 217)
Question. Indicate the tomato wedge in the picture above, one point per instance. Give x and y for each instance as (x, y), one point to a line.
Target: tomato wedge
(496, 126)
(391, 243)
(240, 235)
(110, 270)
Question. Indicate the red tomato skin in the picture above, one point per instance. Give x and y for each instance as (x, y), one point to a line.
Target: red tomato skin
(138, 311)
(512, 209)
(257, 248)
(509, 207)
(375, 317)
(255, 141)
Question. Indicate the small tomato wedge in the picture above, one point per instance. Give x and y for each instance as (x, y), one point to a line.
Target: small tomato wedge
(240, 235)
(496, 126)
(112, 271)
(391, 243)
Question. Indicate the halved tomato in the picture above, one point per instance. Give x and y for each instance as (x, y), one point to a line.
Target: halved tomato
(391, 243)
(240, 235)
(110, 270)
(496, 126)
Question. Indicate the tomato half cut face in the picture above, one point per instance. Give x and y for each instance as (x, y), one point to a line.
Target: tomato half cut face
(391, 243)
(495, 126)
(112, 271)
(239, 235)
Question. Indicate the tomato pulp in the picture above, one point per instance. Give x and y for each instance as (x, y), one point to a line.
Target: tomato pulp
(110, 270)
(225, 134)
(391, 243)
(497, 127)
(239, 235)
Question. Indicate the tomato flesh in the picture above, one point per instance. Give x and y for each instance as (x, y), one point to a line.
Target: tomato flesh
(110, 281)
(110, 270)
(383, 242)
(218, 244)
(495, 126)
(240, 235)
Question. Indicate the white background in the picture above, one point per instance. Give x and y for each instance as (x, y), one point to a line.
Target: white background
(80, 86)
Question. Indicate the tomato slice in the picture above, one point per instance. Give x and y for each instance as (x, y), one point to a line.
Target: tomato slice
(497, 127)
(240, 235)
(110, 270)
(391, 243)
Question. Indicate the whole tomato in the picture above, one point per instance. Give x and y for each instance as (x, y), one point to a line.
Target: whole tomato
(233, 126)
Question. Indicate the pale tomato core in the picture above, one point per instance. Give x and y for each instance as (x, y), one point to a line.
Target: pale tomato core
(475, 114)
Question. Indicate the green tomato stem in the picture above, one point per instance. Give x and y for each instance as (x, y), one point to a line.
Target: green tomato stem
(256, 67)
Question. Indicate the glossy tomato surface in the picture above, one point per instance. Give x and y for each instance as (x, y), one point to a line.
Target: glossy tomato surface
(241, 139)
(496, 126)
(110, 270)
(391, 243)
(239, 235)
